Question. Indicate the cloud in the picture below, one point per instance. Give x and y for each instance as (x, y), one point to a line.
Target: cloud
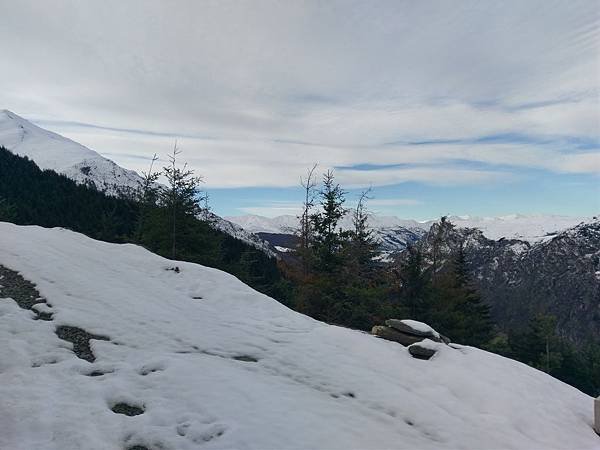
(384, 202)
(273, 209)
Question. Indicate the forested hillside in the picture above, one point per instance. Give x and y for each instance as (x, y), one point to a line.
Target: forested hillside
(30, 196)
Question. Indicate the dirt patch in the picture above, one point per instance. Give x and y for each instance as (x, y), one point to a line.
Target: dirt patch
(22, 291)
(126, 409)
(80, 340)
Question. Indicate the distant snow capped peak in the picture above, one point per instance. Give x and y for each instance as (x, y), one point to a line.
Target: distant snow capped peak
(55, 152)
(530, 228)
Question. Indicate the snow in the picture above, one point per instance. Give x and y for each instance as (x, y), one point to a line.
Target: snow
(529, 228)
(420, 326)
(288, 223)
(393, 232)
(236, 369)
(54, 152)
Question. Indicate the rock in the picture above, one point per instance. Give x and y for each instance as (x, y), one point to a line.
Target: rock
(421, 351)
(414, 328)
(445, 339)
(394, 335)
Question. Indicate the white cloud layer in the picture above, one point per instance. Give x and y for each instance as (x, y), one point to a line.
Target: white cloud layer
(258, 91)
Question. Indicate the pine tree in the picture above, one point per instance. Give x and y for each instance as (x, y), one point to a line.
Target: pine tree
(478, 327)
(415, 286)
(328, 238)
(359, 246)
(8, 211)
(147, 196)
(181, 198)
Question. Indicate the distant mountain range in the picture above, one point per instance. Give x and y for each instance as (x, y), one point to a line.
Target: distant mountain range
(272, 235)
(85, 166)
(394, 233)
(519, 279)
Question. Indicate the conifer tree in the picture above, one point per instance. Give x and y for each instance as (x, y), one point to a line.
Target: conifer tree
(328, 238)
(181, 198)
(363, 247)
(147, 197)
(8, 211)
(415, 286)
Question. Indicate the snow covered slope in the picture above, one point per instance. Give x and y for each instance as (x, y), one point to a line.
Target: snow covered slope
(55, 152)
(214, 364)
(287, 223)
(530, 228)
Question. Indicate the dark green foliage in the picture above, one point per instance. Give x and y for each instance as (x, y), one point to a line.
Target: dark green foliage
(340, 282)
(51, 200)
(181, 199)
(8, 211)
(328, 239)
(456, 306)
(449, 302)
(541, 347)
(414, 288)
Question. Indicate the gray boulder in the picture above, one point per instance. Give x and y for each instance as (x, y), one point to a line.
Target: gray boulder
(394, 335)
(422, 330)
(421, 351)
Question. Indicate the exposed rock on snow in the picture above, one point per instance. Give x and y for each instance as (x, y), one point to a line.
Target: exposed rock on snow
(394, 335)
(24, 293)
(80, 340)
(413, 327)
(407, 332)
(187, 364)
(127, 410)
(424, 349)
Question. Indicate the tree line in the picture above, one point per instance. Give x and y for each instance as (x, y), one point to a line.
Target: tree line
(340, 278)
(166, 221)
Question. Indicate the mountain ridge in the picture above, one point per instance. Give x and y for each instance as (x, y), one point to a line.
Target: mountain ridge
(51, 151)
(531, 228)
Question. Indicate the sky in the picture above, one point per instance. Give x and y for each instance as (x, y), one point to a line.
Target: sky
(465, 107)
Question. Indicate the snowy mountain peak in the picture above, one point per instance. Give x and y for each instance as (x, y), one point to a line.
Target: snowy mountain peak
(530, 228)
(55, 152)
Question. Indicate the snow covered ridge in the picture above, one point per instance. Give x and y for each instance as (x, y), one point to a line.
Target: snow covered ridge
(55, 152)
(238, 232)
(207, 362)
(394, 233)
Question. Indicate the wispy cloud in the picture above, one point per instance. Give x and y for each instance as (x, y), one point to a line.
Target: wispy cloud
(433, 93)
(387, 202)
(272, 209)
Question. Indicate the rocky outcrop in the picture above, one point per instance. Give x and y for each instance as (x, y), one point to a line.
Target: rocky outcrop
(419, 337)
(422, 350)
(559, 275)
